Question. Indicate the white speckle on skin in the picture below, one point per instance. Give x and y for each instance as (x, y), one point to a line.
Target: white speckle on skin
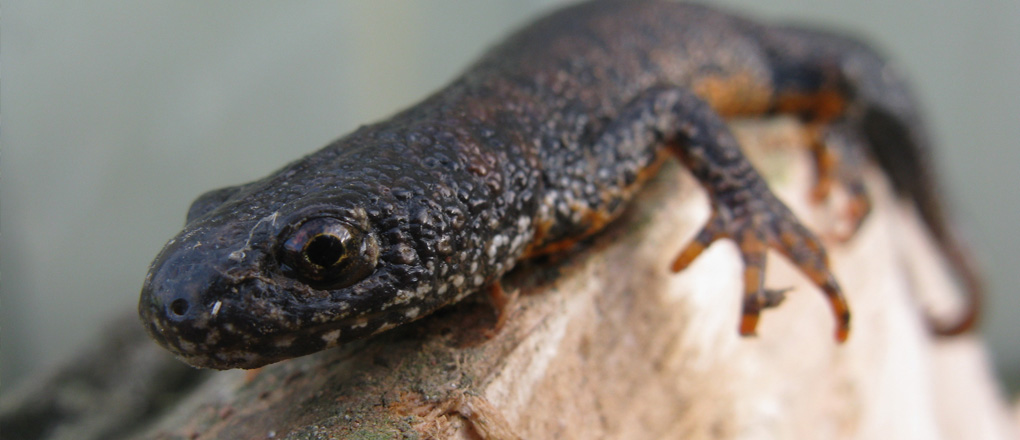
(515, 245)
(412, 313)
(284, 342)
(187, 347)
(212, 337)
(523, 223)
(479, 280)
(331, 336)
(442, 289)
(458, 280)
(402, 297)
(497, 241)
(423, 290)
(216, 308)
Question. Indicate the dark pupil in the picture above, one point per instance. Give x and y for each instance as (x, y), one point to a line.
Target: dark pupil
(324, 250)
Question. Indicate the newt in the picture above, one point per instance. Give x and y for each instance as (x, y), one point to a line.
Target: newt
(539, 144)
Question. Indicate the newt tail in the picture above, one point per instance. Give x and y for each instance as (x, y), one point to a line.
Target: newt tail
(900, 145)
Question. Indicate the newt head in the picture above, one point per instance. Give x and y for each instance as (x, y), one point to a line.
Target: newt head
(266, 272)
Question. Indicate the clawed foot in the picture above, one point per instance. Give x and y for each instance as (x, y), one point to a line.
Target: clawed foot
(761, 223)
(503, 303)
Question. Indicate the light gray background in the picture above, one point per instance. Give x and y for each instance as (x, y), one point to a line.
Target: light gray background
(117, 114)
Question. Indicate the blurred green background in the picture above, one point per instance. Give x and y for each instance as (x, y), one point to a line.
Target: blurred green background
(117, 114)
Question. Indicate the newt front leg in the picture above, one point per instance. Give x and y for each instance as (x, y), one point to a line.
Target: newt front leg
(744, 209)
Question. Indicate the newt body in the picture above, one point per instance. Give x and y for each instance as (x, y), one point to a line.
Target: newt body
(538, 145)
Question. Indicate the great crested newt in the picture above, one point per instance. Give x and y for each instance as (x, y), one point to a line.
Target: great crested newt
(539, 144)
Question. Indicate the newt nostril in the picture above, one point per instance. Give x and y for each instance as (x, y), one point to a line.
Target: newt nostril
(179, 307)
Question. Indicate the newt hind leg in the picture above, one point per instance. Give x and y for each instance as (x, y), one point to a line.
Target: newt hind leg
(866, 92)
(744, 209)
(840, 158)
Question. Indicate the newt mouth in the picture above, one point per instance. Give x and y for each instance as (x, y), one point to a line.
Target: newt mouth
(226, 345)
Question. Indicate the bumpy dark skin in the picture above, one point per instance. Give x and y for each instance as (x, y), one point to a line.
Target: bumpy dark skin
(539, 144)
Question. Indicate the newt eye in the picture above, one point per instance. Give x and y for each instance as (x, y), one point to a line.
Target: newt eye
(329, 253)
